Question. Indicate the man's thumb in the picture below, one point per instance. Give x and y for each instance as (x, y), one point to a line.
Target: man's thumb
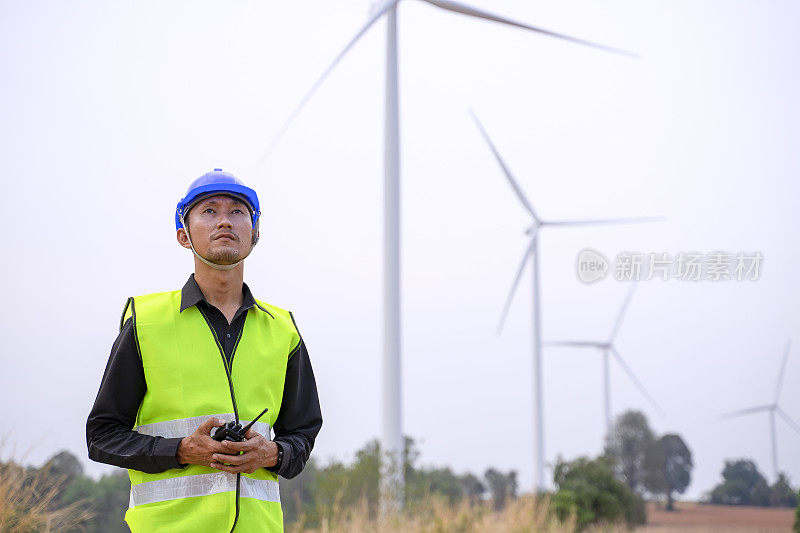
(210, 422)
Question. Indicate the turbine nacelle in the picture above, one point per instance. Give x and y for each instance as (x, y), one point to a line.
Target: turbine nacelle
(533, 228)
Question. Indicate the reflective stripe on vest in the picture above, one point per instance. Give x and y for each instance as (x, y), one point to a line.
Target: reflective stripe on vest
(184, 427)
(203, 485)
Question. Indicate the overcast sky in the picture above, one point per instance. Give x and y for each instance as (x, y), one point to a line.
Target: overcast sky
(109, 110)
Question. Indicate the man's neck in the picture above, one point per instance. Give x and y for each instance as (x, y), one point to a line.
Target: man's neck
(222, 288)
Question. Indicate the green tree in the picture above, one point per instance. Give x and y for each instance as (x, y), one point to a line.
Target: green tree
(421, 482)
(627, 442)
(314, 493)
(105, 499)
(668, 467)
(797, 516)
(62, 468)
(64, 464)
(742, 484)
(781, 493)
(108, 497)
(319, 490)
(589, 489)
(472, 488)
(502, 487)
(296, 493)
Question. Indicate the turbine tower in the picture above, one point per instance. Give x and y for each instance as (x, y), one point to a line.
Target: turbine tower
(392, 435)
(608, 349)
(772, 409)
(532, 253)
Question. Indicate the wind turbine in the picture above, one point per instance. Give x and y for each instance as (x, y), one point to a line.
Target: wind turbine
(392, 434)
(772, 409)
(532, 253)
(607, 348)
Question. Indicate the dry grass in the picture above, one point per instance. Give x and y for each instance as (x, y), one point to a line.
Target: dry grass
(526, 514)
(28, 502)
(523, 515)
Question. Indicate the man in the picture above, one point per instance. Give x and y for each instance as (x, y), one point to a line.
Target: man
(186, 362)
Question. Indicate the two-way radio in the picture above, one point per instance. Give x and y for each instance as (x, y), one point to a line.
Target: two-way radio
(233, 431)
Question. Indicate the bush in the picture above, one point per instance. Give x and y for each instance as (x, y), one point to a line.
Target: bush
(743, 484)
(797, 516)
(589, 490)
(781, 493)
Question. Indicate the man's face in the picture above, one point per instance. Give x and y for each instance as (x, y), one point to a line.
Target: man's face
(221, 229)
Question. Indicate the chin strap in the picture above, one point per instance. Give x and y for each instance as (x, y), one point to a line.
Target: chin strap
(215, 266)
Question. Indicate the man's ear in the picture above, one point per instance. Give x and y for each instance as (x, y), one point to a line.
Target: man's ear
(255, 234)
(183, 239)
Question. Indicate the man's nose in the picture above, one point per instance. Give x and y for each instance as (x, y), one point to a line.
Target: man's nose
(224, 222)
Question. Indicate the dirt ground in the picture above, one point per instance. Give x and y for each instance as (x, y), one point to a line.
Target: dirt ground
(696, 518)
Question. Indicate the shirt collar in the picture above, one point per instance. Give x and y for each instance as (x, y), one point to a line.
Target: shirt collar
(192, 295)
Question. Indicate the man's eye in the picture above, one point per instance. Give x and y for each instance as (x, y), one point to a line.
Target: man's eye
(238, 211)
(207, 209)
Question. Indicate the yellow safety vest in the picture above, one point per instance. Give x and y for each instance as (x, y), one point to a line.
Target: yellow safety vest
(188, 381)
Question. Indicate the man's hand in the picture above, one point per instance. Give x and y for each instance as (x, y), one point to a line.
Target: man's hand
(198, 448)
(256, 452)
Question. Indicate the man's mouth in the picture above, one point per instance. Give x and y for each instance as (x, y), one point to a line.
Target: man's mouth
(225, 236)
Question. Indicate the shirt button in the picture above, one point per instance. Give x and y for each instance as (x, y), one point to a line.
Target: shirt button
(228, 335)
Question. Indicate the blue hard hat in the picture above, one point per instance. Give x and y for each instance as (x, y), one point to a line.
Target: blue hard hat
(217, 182)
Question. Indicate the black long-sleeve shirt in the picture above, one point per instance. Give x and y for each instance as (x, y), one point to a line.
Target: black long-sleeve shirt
(109, 434)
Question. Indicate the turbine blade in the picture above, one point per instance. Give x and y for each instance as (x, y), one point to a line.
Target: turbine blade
(783, 369)
(635, 380)
(582, 344)
(285, 126)
(458, 7)
(510, 297)
(749, 410)
(599, 221)
(506, 171)
(792, 423)
(622, 312)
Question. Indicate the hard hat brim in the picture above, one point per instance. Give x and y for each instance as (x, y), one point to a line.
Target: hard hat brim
(240, 192)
